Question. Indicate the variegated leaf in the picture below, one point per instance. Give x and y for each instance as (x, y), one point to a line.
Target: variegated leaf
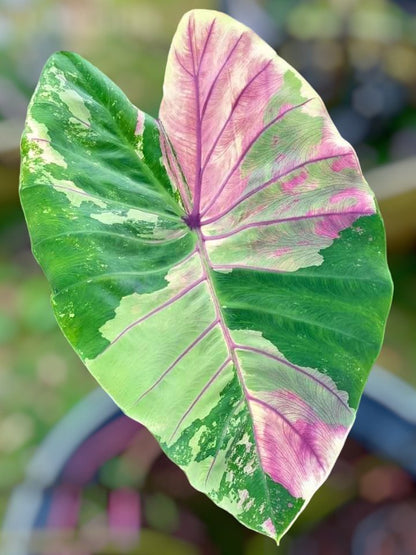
(221, 272)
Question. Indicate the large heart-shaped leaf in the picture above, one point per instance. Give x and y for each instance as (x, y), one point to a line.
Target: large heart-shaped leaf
(221, 272)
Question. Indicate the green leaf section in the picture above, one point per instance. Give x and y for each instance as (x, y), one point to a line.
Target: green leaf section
(228, 448)
(83, 168)
(330, 316)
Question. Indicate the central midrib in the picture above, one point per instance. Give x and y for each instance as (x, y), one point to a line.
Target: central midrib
(193, 221)
(231, 346)
(207, 274)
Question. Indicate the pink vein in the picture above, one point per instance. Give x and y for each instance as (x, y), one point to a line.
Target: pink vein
(197, 187)
(297, 368)
(195, 77)
(178, 359)
(271, 181)
(294, 275)
(181, 64)
(187, 257)
(183, 260)
(284, 220)
(39, 139)
(156, 310)
(245, 151)
(78, 191)
(200, 394)
(88, 125)
(211, 27)
(290, 424)
(227, 121)
(247, 267)
(174, 166)
(214, 82)
(224, 429)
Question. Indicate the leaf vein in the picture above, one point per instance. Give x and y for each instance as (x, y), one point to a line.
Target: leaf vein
(266, 223)
(291, 426)
(271, 181)
(200, 394)
(247, 149)
(227, 121)
(176, 297)
(177, 360)
(301, 320)
(297, 368)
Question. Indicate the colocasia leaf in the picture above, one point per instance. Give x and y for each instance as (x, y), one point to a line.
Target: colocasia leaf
(221, 271)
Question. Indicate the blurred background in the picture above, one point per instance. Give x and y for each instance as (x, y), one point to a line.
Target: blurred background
(77, 477)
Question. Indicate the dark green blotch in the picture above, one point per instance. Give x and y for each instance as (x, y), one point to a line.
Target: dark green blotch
(210, 440)
(330, 317)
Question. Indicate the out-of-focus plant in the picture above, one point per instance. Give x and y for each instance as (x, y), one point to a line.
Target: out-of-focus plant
(361, 57)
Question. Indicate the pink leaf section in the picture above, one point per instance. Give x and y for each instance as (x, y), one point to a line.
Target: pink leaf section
(301, 418)
(140, 123)
(297, 448)
(216, 85)
(249, 142)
